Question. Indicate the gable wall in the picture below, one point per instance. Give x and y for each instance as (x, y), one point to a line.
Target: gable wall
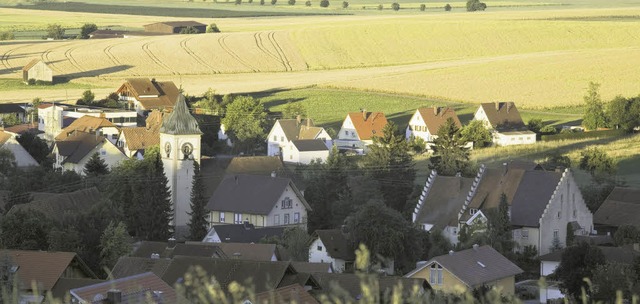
(418, 128)
(322, 256)
(108, 152)
(40, 71)
(482, 116)
(280, 140)
(450, 283)
(296, 207)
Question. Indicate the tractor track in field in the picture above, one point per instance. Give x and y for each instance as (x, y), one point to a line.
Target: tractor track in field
(226, 48)
(155, 59)
(5, 57)
(190, 52)
(258, 38)
(113, 58)
(281, 53)
(52, 64)
(72, 60)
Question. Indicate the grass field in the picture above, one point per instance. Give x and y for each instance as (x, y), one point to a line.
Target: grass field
(14, 84)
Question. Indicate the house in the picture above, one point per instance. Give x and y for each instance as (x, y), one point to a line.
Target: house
(144, 94)
(134, 141)
(288, 294)
(332, 246)
(52, 118)
(128, 266)
(73, 152)
(426, 122)
(107, 33)
(308, 267)
(250, 251)
(620, 208)
(44, 270)
(241, 233)
(352, 284)
(12, 112)
(262, 201)
(305, 150)
(440, 203)
(170, 249)
(505, 123)
(174, 27)
(91, 125)
(141, 288)
(37, 70)
(466, 270)
(22, 157)
(286, 130)
(358, 130)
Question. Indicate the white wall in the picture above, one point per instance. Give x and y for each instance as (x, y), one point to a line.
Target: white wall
(317, 255)
(482, 116)
(548, 267)
(50, 121)
(416, 120)
(23, 158)
(107, 151)
(296, 207)
(291, 154)
(276, 140)
(212, 236)
(502, 139)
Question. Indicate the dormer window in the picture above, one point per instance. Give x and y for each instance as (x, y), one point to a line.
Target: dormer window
(473, 211)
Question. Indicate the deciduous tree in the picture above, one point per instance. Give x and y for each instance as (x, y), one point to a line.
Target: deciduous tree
(114, 243)
(597, 162)
(55, 31)
(25, 230)
(594, 116)
(476, 132)
(577, 262)
(87, 29)
(245, 121)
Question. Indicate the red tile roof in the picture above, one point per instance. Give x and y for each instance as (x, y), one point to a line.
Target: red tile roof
(435, 117)
(368, 124)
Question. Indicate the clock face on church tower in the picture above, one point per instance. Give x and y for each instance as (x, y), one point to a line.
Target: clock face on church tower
(167, 149)
(187, 149)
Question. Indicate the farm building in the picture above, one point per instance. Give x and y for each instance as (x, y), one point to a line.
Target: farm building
(37, 70)
(174, 27)
(108, 33)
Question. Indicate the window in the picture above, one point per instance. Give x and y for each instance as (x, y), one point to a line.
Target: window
(473, 211)
(286, 218)
(435, 274)
(575, 213)
(103, 152)
(281, 138)
(286, 203)
(525, 233)
(276, 219)
(556, 234)
(573, 197)
(296, 217)
(237, 218)
(346, 133)
(559, 214)
(319, 248)
(221, 217)
(275, 138)
(114, 136)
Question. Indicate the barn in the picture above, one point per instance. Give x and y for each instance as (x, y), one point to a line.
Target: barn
(174, 27)
(37, 70)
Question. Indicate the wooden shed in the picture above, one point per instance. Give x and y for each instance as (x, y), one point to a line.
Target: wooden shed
(37, 70)
(174, 27)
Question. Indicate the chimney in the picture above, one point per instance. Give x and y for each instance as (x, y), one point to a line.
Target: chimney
(475, 247)
(171, 243)
(436, 110)
(273, 173)
(364, 114)
(298, 119)
(308, 122)
(114, 296)
(505, 166)
(450, 252)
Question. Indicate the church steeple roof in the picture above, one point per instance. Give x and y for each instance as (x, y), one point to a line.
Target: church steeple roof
(180, 120)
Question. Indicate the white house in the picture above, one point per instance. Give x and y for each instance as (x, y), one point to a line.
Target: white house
(505, 123)
(286, 130)
(144, 94)
(332, 246)
(36, 69)
(426, 122)
(73, 152)
(93, 125)
(358, 129)
(262, 201)
(22, 157)
(305, 150)
(134, 141)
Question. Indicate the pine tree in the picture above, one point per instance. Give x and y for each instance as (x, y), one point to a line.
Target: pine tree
(96, 166)
(114, 243)
(157, 201)
(500, 227)
(450, 156)
(198, 223)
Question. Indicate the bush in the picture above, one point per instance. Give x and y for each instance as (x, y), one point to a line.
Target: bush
(423, 7)
(447, 7)
(292, 2)
(308, 3)
(7, 36)
(213, 28)
(55, 31)
(42, 82)
(395, 6)
(31, 81)
(189, 30)
(380, 7)
(581, 135)
(87, 29)
(261, 2)
(345, 4)
(273, 2)
(324, 3)
(475, 5)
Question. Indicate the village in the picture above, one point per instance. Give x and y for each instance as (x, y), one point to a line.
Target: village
(290, 220)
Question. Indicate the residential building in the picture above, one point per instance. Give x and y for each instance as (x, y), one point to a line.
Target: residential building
(12, 112)
(22, 157)
(37, 70)
(288, 294)
(144, 94)
(250, 251)
(332, 246)
(171, 248)
(140, 288)
(174, 27)
(620, 208)
(180, 146)
(241, 233)
(505, 124)
(426, 122)
(134, 141)
(286, 130)
(466, 270)
(93, 125)
(73, 152)
(262, 201)
(305, 151)
(358, 130)
(351, 284)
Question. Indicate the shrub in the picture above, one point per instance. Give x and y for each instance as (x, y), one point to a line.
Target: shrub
(42, 82)
(31, 81)
(273, 2)
(7, 36)
(447, 7)
(395, 6)
(345, 4)
(87, 29)
(250, 1)
(380, 7)
(189, 30)
(324, 3)
(213, 28)
(423, 7)
(308, 3)
(475, 5)
(238, 2)
(261, 2)
(55, 31)
(292, 2)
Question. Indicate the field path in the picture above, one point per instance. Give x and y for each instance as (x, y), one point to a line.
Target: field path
(190, 52)
(156, 60)
(227, 49)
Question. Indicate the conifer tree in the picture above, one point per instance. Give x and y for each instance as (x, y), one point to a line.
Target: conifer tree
(157, 201)
(198, 223)
(96, 166)
(450, 156)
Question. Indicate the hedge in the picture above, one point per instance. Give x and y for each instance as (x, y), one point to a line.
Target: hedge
(581, 135)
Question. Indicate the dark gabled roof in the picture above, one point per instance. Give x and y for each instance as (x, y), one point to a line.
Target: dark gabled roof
(134, 289)
(351, 283)
(263, 275)
(622, 207)
(534, 193)
(289, 294)
(292, 127)
(77, 146)
(180, 121)
(474, 266)
(6, 108)
(622, 255)
(444, 200)
(337, 245)
(253, 194)
(64, 285)
(128, 266)
(147, 248)
(179, 23)
(158, 94)
(503, 116)
(437, 116)
(245, 233)
(310, 145)
(23, 128)
(307, 267)
(56, 205)
(247, 251)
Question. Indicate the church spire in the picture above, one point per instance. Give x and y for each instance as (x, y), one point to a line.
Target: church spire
(180, 121)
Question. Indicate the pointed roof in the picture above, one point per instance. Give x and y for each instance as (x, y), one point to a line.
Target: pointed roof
(31, 64)
(180, 121)
(86, 124)
(435, 117)
(368, 124)
(503, 116)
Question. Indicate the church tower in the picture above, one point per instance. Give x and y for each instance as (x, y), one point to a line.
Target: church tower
(180, 147)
